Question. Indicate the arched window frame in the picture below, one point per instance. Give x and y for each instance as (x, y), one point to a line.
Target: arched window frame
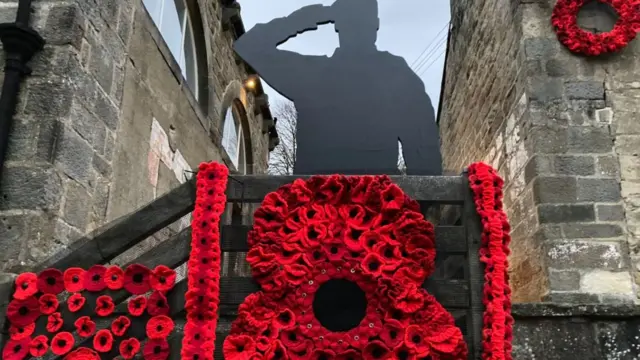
(233, 138)
(186, 52)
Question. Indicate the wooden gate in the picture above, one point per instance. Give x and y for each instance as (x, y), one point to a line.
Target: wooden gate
(457, 282)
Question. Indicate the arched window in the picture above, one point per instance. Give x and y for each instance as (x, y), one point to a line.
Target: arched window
(233, 139)
(173, 20)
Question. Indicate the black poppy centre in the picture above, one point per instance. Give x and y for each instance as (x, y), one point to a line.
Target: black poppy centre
(340, 305)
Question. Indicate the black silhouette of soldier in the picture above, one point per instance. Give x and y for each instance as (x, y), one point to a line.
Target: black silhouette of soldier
(354, 106)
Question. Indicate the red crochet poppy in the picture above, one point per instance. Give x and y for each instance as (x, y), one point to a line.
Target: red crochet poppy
(137, 305)
(26, 286)
(129, 348)
(157, 304)
(82, 354)
(85, 327)
(136, 279)
(237, 347)
(39, 346)
(104, 305)
(62, 343)
(156, 349)
(75, 302)
(54, 322)
(578, 40)
(120, 325)
(163, 278)
(21, 332)
(16, 349)
(23, 312)
(103, 341)
(94, 278)
(48, 304)
(159, 327)
(74, 279)
(114, 278)
(50, 281)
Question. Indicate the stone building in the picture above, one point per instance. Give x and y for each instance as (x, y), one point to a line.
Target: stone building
(124, 100)
(563, 131)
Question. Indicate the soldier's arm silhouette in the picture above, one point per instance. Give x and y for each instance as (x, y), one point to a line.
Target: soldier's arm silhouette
(281, 69)
(420, 138)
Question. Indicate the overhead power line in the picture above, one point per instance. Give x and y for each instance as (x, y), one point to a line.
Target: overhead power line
(428, 46)
(432, 53)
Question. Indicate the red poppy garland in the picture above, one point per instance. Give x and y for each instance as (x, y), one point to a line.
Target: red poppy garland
(203, 272)
(487, 185)
(565, 20)
(38, 295)
(357, 238)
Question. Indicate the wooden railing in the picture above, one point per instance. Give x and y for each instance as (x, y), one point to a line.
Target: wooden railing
(456, 283)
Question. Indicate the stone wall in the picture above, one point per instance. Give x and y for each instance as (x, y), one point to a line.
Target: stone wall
(561, 150)
(106, 123)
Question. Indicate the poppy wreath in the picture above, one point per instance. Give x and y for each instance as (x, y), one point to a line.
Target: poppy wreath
(39, 299)
(487, 186)
(203, 267)
(356, 232)
(565, 20)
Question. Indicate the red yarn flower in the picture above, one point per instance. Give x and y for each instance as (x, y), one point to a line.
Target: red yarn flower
(163, 278)
(94, 278)
(129, 348)
(120, 325)
(75, 302)
(62, 343)
(48, 304)
(16, 349)
(21, 332)
(82, 354)
(156, 349)
(26, 286)
(136, 279)
(23, 312)
(157, 304)
(74, 279)
(239, 347)
(114, 278)
(50, 281)
(85, 327)
(137, 305)
(103, 341)
(159, 327)
(54, 322)
(104, 305)
(39, 346)
(565, 20)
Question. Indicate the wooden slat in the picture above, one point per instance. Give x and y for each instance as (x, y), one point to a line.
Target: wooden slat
(114, 238)
(450, 293)
(449, 239)
(442, 189)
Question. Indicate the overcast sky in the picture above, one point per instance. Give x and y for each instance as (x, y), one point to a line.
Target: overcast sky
(413, 29)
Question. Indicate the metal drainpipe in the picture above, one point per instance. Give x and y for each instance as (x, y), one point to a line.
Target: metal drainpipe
(20, 43)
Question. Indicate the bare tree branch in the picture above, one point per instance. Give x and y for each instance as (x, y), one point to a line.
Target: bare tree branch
(283, 158)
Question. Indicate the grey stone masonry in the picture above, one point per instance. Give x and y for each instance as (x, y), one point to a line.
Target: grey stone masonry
(568, 150)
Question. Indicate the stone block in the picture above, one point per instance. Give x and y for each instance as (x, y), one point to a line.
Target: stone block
(63, 25)
(598, 190)
(607, 166)
(101, 66)
(101, 166)
(575, 254)
(551, 213)
(607, 282)
(75, 207)
(619, 340)
(49, 131)
(41, 104)
(106, 110)
(630, 167)
(74, 156)
(544, 89)
(561, 67)
(538, 165)
(100, 203)
(590, 139)
(572, 298)
(604, 116)
(24, 188)
(588, 90)
(610, 212)
(550, 339)
(13, 235)
(548, 140)
(540, 48)
(110, 145)
(628, 145)
(592, 231)
(22, 140)
(564, 280)
(548, 189)
(574, 165)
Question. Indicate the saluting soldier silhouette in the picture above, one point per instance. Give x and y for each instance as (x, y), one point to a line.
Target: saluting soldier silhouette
(354, 106)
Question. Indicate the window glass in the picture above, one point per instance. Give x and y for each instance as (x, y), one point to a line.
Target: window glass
(171, 28)
(230, 137)
(189, 70)
(242, 157)
(154, 7)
